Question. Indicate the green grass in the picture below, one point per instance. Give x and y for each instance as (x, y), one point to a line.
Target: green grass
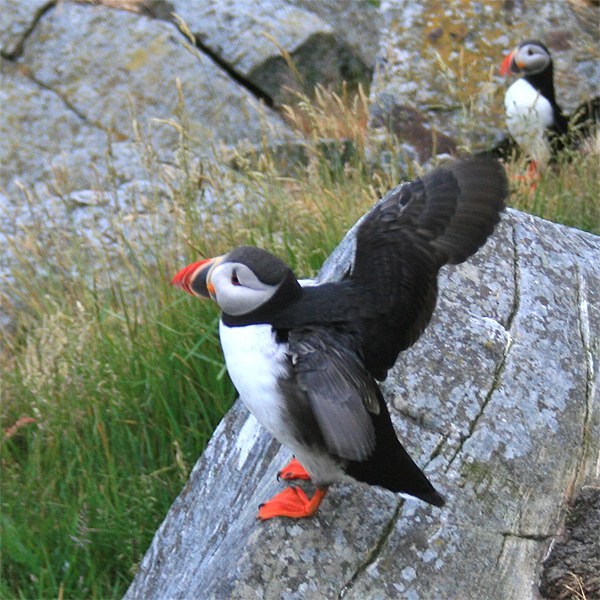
(125, 394)
(565, 193)
(119, 377)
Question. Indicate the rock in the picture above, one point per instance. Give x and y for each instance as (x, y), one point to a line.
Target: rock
(572, 570)
(357, 22)
(411, 128)
(39, 133)
(441, 60)
(87, 72)
(251, 40)
(17, 19)
(47, 145)
(497, 402)
(119, 79)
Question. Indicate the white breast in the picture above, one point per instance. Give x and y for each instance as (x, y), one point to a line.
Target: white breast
(255, 361)
(528, 115)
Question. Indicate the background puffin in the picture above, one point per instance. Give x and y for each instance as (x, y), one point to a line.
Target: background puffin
(304, 358)
(533, 117)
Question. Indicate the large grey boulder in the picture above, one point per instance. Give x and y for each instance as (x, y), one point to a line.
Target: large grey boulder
(252, 39)
(146, 58)
(497, 402)
(98, 74)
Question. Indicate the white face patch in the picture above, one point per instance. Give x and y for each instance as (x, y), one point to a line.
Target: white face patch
(237, 289)
(531, 58)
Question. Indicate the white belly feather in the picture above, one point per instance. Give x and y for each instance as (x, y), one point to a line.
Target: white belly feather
(528, 115)
(255, 362)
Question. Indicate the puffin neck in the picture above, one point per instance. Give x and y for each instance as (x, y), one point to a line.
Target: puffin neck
(332, 303)
(543, 82)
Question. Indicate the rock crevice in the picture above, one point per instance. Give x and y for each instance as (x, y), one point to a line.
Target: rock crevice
(374, 555)
(14, 48)
(590, 389)
(68, 104)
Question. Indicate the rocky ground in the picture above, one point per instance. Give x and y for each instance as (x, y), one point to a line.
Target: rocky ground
(572, 571)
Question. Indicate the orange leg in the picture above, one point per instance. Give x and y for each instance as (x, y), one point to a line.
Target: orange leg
(293, 470)
(292, 502)
(531, 176)
(532, 170)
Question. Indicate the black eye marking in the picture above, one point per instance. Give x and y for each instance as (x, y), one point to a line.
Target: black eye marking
(234, 279)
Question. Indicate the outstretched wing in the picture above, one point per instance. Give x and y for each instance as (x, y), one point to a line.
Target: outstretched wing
(443, 217)
(339, 389)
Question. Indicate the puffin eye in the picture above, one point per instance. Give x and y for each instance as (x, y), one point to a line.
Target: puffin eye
(234, 279)
(529, 51)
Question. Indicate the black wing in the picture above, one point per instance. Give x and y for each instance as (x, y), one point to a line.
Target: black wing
(443, 217)
(347, 407)
(340, 391)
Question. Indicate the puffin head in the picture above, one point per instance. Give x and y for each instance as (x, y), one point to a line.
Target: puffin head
(529, 57)
(246, 281)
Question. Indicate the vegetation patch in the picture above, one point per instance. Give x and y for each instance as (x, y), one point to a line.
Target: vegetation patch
(114, 381)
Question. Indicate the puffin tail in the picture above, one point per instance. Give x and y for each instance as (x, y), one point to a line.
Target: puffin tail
(390, 465)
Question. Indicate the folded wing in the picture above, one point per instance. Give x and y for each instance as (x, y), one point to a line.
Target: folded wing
(340, 391)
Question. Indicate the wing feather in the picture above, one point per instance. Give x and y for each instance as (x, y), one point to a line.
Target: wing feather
(341, 392)
(443, 217)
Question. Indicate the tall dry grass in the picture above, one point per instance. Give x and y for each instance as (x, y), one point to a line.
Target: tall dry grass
(114, 381)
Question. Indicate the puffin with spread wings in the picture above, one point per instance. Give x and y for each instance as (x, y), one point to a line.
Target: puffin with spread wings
(305, 358)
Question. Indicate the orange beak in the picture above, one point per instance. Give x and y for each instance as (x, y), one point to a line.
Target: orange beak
(507, 64)
(194, 279)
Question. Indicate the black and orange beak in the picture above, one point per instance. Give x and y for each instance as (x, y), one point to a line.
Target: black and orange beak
(508, 64)
(195, 278)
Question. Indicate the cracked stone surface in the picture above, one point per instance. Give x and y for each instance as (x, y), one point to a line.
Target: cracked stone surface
(498, 402)
(141, 52)
(246, 35)
(252, 37)
(89, 73)
(358, 22)
(17, 18)
(52, 132)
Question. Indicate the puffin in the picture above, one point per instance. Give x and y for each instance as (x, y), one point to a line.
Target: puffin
(534, 119)
(306, 357)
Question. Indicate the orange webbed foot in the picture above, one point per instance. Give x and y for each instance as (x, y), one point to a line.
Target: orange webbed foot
(292, 502)
(293, 470)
